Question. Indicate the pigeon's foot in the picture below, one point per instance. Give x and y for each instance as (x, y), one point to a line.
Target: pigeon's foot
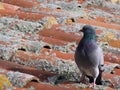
(83, 80)
(92, 85)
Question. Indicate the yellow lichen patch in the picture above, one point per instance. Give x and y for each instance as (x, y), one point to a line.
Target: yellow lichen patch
(51, 21)
(115, 1)
(1, 6)
(69, 21)
(108, 36)
(4, 82)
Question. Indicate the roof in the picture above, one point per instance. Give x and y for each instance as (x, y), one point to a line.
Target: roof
(38, 41)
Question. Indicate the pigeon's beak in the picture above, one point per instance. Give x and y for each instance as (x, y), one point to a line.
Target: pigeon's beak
(80, 30)
(97, 36)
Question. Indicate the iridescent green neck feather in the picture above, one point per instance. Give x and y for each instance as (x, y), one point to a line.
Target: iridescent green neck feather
(90, 36)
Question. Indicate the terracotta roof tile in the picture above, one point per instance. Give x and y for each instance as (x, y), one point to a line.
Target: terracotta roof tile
(37, 51)
(59, 34)
(96, 23)
(9, 6)
(22, 3)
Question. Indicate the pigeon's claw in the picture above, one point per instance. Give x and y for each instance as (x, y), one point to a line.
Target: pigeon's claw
(93, 84)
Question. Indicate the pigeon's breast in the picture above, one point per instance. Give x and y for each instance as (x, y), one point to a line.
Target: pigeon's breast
(85, 55)
(90, 45)
(81, 59)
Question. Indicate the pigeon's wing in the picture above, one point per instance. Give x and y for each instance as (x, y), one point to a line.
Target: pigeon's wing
(100, 51)
(95, 56)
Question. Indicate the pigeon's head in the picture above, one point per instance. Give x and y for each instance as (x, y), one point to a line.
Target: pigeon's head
(87, 29)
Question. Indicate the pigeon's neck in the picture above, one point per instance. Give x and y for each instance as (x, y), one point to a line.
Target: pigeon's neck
(88, 41)
(91, 36)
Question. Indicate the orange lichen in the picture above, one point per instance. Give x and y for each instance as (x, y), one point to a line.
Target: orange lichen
(115, 43)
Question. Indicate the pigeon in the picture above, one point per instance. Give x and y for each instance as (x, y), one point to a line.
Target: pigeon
(89, 56)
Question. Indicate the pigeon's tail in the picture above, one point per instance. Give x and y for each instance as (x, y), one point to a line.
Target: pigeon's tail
(98, 80)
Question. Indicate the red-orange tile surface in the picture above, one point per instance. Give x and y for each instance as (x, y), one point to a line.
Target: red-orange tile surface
(38, 40)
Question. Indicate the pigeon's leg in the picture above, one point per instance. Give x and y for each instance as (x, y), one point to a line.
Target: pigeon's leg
(93, 84)
(83, 80)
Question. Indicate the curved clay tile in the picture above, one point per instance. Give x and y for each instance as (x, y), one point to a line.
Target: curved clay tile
(52, 41)
(46, 86)
(18, 79)
(23, 15)
(9, 7)
(101, 24)
(117, 71)
(42, 75)
(43, 86)
(112, 57)
(21, 3)
(112, 80)
(48, 54)
(59, 34)
(59, 54)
